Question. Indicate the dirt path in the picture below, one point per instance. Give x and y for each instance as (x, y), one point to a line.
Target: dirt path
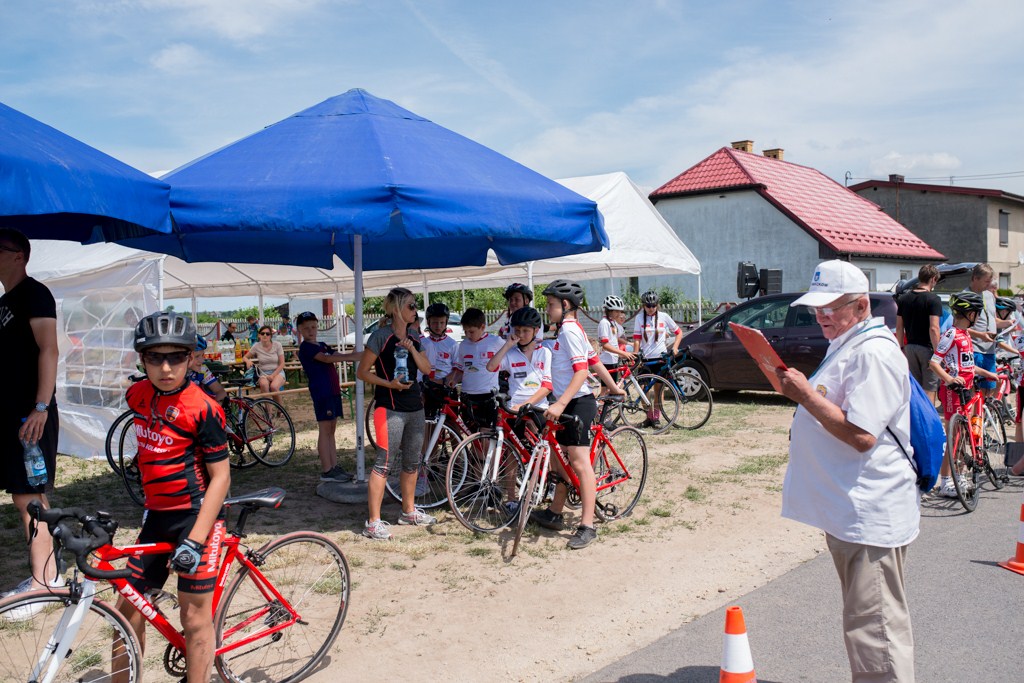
(440, 603)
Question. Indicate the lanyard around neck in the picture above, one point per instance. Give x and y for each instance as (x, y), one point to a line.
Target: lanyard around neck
(842, 346)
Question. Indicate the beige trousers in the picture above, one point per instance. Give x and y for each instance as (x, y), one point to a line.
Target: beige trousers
(876, 620)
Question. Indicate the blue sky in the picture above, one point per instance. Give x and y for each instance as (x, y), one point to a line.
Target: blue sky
(924, 88)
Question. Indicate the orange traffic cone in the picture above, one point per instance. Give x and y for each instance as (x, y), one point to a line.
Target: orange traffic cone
(737, 664)
(1016, 563)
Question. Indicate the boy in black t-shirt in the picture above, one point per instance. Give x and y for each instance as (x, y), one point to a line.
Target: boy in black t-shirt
(325, 389)
(918, 313)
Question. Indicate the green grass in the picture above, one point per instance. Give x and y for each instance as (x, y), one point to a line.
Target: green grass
(694, 494)
(759, 464)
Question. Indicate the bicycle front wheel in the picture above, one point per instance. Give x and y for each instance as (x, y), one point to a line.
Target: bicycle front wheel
(620, 467)
(430, 475)
(476, 493)
(38, 638)
(112, 443)
(995, 445)
(239, 455)
(310, 574)
(651, 404)
(268, 432)
(696, 400)
(526, 502)
(961, 462)
(127, 464)
(371, 433)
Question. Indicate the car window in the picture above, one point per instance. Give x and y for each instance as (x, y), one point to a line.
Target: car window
(803, 316)
(763, 315)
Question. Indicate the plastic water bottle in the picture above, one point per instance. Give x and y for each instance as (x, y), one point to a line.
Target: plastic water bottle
(35, 466)
(402, 365)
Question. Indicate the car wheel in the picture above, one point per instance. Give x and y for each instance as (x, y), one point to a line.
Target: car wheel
(695, 369)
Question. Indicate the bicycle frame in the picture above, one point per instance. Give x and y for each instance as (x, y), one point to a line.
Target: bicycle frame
(973, 407)
(249, 560)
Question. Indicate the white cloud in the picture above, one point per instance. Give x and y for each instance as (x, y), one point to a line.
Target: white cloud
(926, 164)
(177, 58)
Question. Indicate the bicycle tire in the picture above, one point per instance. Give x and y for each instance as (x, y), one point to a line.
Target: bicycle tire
(525, 505)
(961, 462)
(624, 465)
(110, 444)
(368, 424)
(477, 504)
(994, 440)
(268, 432)
(309, 571)
(697, 403)
(430, 477)
(25, 635)
(641, 395)
(131, 475)
(240, 457)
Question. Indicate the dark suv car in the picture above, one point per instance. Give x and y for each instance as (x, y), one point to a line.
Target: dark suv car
(723, 363)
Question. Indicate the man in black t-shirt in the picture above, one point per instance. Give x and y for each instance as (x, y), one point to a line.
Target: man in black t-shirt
(28, 407)
(918, 313)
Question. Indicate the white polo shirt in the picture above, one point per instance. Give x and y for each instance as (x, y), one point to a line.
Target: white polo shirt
(867, 498)
(441, 354)
(609, 332)
(472, 358)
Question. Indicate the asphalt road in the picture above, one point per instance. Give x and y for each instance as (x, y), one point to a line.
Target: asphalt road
(967, 612)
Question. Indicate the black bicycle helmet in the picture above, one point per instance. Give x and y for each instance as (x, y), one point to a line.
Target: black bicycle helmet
(522, 289)
(563, 289)
(966, 302)
(1005, 303)
(526, 317)
(649, 298)
(165, 328)
(438, 310)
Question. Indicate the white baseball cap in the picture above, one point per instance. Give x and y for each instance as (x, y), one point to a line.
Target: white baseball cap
(831, 280)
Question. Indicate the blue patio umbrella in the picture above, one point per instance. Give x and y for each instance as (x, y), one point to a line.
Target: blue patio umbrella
(417, 194)
(53, 186)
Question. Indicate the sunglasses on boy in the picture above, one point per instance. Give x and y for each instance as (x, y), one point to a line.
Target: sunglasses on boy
(158, 359)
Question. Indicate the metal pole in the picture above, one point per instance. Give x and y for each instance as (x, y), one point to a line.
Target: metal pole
(261, 303)
(529, 275)
(357, 257)
(426, 293)
(700, 304)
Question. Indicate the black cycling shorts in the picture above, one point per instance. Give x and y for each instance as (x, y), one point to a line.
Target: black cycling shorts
(585, 409)
(151, 571)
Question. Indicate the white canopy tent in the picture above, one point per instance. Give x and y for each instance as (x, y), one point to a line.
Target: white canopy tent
(132, 281)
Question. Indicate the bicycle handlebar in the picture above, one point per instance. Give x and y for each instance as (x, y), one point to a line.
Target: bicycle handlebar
(97, 531)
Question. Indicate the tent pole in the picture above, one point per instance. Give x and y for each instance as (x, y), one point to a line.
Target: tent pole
(426, 292)
(195, 308)
(529, 274)
(357, 272)
(160, 285)
(342, 367)
(700, 304)
(463, 283)
(260, 287)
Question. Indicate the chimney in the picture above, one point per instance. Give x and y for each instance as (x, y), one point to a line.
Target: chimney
(896, 178)
(773, 153)
(743, 145)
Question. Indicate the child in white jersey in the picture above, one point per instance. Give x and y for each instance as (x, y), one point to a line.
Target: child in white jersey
(470, 367)
(440, 350)
(527, 362)
(650, 334)
(611, 335)
(571, 358)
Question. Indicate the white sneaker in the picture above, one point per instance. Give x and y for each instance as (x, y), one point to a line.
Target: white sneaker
(378, 531)
(29, 610)
(22, 587)
(417, 518)
(948, 490)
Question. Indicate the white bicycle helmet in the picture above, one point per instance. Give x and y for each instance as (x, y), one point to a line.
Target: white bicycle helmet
(614, 303)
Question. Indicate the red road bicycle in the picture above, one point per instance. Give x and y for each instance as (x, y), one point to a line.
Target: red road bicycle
(276, 617)
(969, 436)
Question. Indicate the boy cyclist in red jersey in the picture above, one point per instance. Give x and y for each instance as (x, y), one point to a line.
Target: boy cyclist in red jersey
(182, 456)
(953, 362)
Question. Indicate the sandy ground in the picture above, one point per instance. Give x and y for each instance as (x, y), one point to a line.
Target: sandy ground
(441, 603)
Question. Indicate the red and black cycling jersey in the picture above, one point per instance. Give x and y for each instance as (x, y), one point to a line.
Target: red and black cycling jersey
(178, 434)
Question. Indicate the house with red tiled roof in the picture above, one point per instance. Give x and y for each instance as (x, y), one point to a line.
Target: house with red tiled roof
(738, 206)
(965, 223)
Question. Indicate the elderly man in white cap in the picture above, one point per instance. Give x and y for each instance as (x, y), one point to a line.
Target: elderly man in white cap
(847, 474)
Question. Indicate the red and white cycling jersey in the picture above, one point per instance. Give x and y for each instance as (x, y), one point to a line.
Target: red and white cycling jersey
(956, 353)
(472, 359)
(651, 333)
(441, 354)
(526, 376)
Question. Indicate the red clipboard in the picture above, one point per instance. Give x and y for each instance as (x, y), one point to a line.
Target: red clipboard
(761, 351)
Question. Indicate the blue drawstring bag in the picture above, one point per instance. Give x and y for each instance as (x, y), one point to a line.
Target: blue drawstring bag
(927, 438)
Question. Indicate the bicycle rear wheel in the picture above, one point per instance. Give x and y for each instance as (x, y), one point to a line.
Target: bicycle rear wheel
(430, 476)
(526, 502)
(239, 455)
(995, 445)
(620, 467)
(961, 462)
(696, 400)
(29, 622)
(368, 424)
(268, 432)
(127, 464)
(477, 497)
(311, 574)
(111, 445)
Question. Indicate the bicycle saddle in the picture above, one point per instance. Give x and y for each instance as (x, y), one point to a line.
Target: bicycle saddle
(270, 497)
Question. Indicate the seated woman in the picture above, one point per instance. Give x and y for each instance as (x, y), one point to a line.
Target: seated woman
(268, 356)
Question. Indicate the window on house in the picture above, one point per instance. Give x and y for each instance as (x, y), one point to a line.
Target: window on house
(1004, 281)
(634, 285)
(869, 273)
(1004, 228)
(906, 274)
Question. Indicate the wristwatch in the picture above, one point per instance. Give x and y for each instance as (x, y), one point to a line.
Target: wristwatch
(41, 407)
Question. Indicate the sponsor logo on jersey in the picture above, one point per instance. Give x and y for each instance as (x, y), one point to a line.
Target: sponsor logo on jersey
(521, 364)
(151, 437)
(172, 413)
(821, 389)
